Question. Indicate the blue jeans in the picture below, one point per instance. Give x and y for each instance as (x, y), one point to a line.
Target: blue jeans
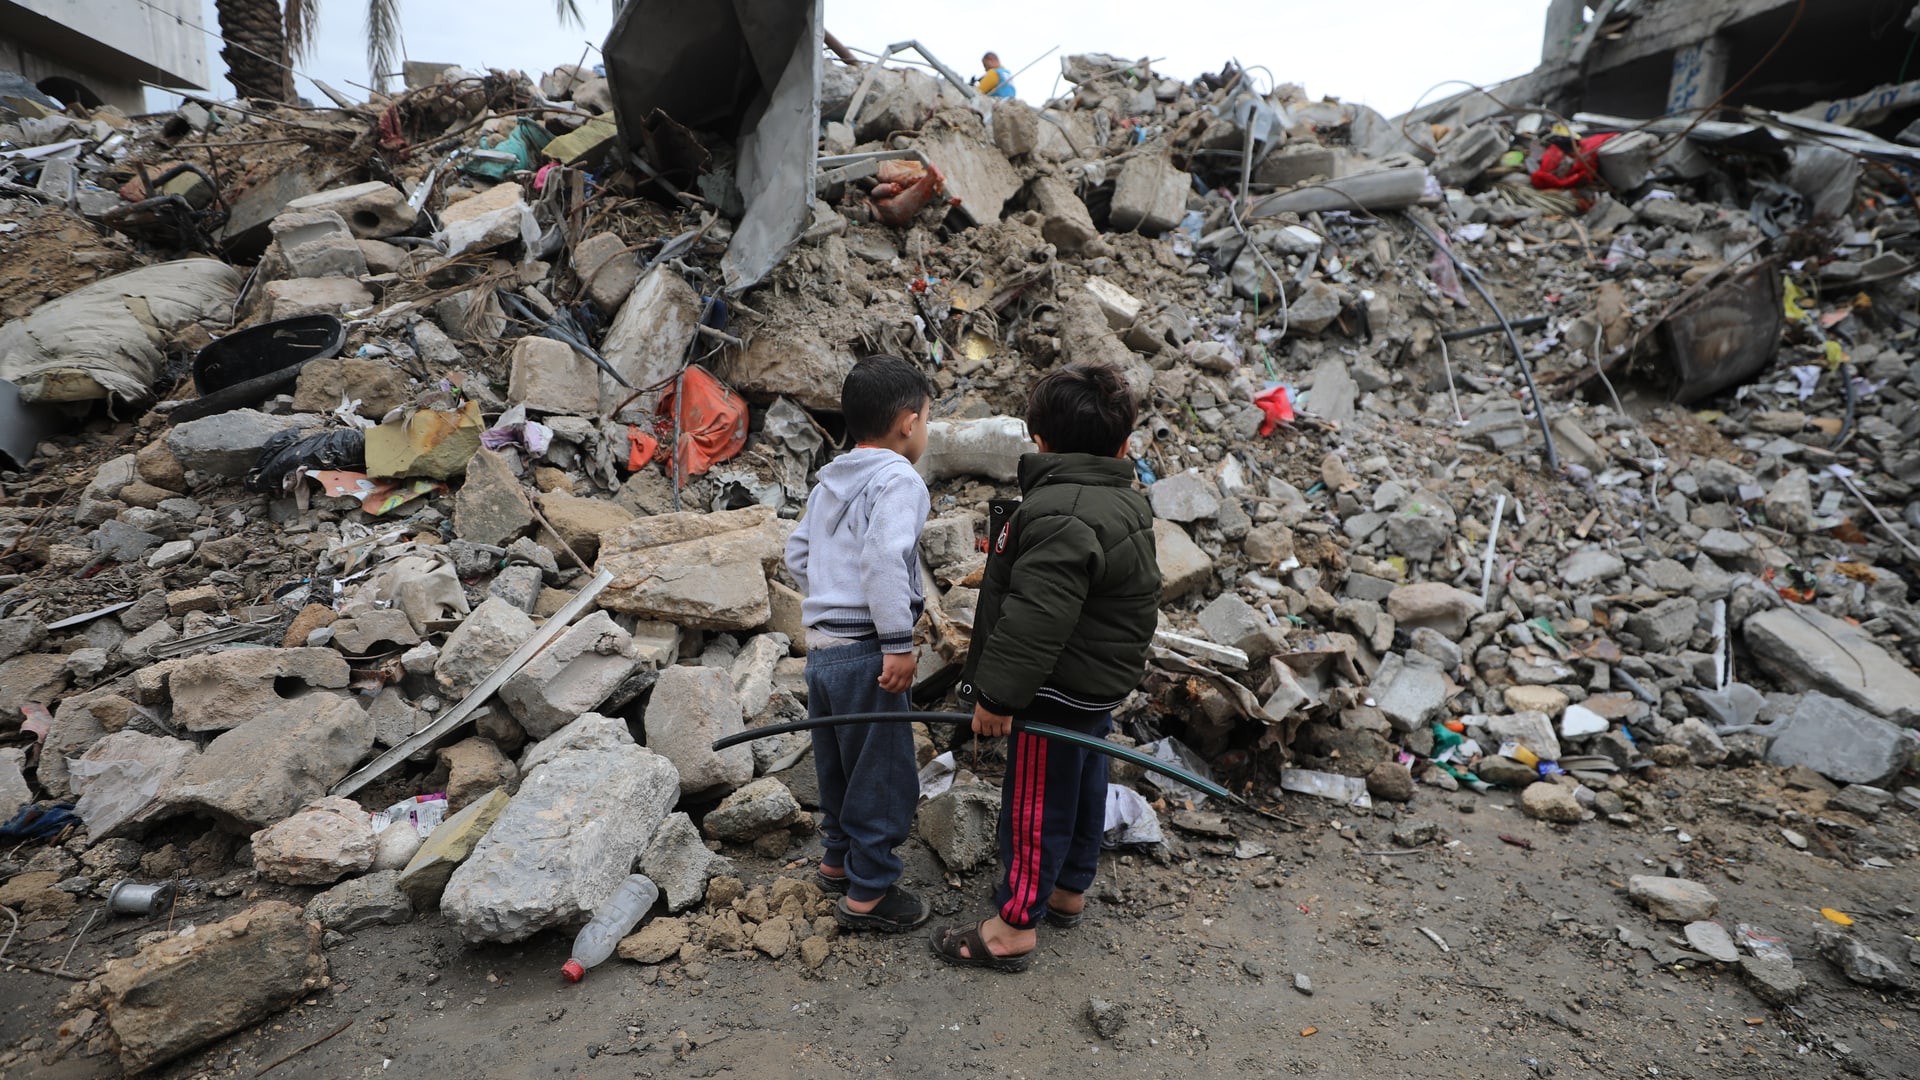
(869, 779)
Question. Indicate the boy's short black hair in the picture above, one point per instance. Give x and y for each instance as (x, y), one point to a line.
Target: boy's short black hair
(876, 391)
(989, 56)
(1082, 409)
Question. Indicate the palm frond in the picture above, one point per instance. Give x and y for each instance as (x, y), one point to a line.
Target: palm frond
(303, 25)
(568, 11)
(383, 36)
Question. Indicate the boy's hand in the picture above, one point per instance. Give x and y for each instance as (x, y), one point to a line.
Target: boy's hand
(896, 672)
(990, 723)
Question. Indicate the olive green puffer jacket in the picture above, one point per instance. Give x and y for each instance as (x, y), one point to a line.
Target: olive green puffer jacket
(1071, 594)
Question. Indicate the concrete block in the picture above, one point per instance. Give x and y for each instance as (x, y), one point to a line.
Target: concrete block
(1149, 196)
(607, 268)
(314, 296)
(317, 243)
(373, 210)
(549, 376)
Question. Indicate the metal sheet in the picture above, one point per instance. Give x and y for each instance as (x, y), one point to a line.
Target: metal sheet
(1725, 338)
(747, 70)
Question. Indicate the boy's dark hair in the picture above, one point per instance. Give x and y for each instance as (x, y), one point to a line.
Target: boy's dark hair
(876, 391)
(990, 56)
(1082, 409)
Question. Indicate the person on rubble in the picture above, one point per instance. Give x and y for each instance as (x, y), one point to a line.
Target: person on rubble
(998, 81)
(856, 557)
(1067, 611)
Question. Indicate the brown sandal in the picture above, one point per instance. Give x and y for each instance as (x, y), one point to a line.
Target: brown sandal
(949, 940)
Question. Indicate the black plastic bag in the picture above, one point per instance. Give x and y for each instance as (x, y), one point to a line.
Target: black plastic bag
(344, 448)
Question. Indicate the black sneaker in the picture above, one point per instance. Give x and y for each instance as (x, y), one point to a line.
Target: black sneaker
(897, 912)
(827, 883)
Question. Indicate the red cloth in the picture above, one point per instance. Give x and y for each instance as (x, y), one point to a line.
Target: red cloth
(713, 422)
(1278, 407)
(1559, 172)
(896, 198)
(642, 448)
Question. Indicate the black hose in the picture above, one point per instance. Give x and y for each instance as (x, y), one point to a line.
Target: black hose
(1519, 354)
(1043, 731)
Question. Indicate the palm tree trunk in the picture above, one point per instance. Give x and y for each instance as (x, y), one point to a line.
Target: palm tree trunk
(256, 49)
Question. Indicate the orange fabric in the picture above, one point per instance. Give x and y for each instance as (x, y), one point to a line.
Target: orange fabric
(712, 419)
(641, 448)
(904, 192)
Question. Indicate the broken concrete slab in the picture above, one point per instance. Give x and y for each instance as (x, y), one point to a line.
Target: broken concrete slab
(447, 847)
(315, 243)
(608, 270)
(475, 766)
(648, 339)
(581, 669)
(295, 297)
(481, 643)
(372, 900)
(1841, 742)
(1409, 695)
(376, 385)
(376, 629)
(1065, 222)
(1672, 899)
(788, 361)
(1184, 497)
(373, 210)
(265, 769)
(1533, 730)
(1804, 647)
(490, 507)
(1433, 604)
(549, 376)
(1149, 195)
(327, 840)
(223, 690)
(495, 218)
(579, 521)
(1589, 565)
(959, 825)
(761, 807)
(700, 571)
(563, 844)
(14, 789)
(679, 862)
(1184, 567)
(188, 990)
(976, 172)
(692, 707)
(229, 444)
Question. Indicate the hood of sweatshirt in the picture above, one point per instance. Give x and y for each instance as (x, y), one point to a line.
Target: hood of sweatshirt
(852, 477)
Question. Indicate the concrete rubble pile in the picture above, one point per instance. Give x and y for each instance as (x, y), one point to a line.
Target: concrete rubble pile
(289, 638)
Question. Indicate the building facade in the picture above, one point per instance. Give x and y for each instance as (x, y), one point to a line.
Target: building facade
(97, 52)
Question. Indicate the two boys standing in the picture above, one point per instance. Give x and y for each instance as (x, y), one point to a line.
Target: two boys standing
(1066, 613)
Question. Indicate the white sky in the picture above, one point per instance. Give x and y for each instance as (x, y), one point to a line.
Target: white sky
(1385, 53)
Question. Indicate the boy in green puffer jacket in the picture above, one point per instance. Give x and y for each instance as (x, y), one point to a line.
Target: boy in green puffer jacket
(1067, 611)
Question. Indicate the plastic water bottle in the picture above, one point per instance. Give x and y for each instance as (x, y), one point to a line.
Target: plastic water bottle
(611, 921)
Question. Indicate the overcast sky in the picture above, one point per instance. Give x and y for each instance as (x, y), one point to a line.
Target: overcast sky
(1385, 53)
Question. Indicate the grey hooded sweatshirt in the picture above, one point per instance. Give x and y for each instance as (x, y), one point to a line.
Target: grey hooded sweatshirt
(856, 553)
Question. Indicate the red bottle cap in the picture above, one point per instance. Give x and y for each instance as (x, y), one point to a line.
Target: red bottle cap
(573, 971)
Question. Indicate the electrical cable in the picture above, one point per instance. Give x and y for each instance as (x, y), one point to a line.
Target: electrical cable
(1043, 731)
(1513, 339)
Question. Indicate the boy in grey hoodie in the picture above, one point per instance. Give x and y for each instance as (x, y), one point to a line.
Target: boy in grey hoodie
(855, 556)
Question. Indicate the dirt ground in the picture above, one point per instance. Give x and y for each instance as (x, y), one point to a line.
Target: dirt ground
(1197, 953)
